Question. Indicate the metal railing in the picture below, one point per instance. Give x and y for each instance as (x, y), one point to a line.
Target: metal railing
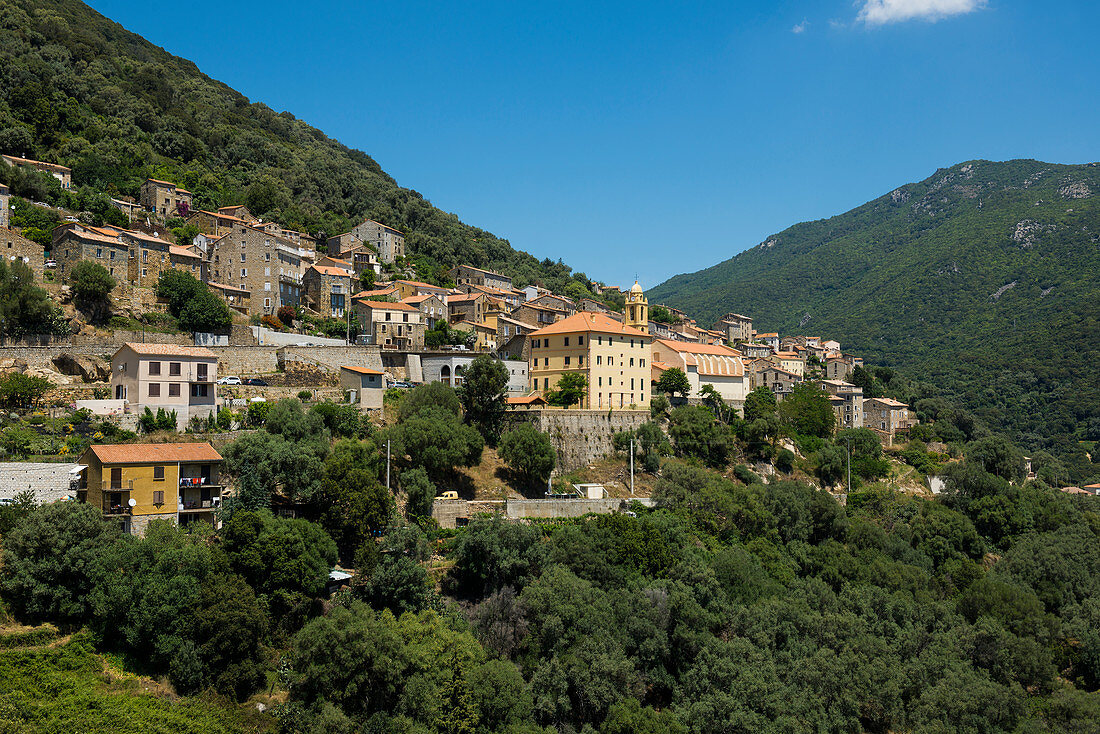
(118, 485)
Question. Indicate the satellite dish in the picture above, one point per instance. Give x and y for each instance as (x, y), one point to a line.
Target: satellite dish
(132, 502)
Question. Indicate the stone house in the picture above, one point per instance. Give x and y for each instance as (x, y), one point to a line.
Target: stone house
(134, 484)
(390, 325)
(214, 223)
(268, 267)
(5, 206)
(838, 368)
(510, 298)
(771, 339)
(704, 364)
(847, 401)
(432, 309)
(612, 356)
(540, 316)
(410, 288)
(61, 173)
(150, 256)
(561, 303)
(73, 242)
(778, 380)
(485, 334)
(240, 211)
(734, 327)
(169, 376)
(467, 307)
(389, 242)
(328, 289)
(165, 199)
(887, 417)
(791, 362)
(369, 386)
(469, 275)
(14, 246)
(238, 299)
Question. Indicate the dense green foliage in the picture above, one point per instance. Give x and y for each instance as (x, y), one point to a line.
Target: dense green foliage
(192, 302)
(92, 285)
(982, 280)
(528, 452)
(25, 307)
(483, 396)
(78, 89)
(569, 390)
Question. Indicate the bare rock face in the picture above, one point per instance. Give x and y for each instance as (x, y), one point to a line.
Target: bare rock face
(55, 378)
(89, 369)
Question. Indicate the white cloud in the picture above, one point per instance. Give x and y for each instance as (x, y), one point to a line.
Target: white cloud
(881, 12)
(801, 27)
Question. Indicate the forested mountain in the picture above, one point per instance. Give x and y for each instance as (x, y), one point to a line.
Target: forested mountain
(983, 280)
(78, 89)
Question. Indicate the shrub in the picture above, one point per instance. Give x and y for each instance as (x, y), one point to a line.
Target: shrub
(304, 395)
(528, 452)
(746, 475)
(286, 314)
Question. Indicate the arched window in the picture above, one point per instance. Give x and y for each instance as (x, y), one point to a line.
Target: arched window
(445, 374)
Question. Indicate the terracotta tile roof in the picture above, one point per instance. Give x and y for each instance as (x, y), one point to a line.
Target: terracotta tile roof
(457, 298)
(890, 402)
(589, 321)
(387, 305)
(517, 322)
(182, 252)
(526, 400)
(421, 284)
(29, 161)
(331, 270)
(481, 270)
(663, 366)
(416, 300)
(384, 226)
(219, 215)
(360, 370)
(224, 287)
(770, 333)
(154, 453)
(368, 294)
(170, 350)
(694, 348)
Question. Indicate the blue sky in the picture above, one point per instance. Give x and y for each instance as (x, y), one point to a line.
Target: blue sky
(649, 138)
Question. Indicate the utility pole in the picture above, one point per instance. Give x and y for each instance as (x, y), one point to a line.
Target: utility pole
(632, 467)
(848, 439)
(387, 463)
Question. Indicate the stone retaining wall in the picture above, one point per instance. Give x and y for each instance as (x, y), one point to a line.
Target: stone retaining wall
(580, 436)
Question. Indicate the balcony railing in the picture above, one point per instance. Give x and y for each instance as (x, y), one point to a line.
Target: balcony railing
(198, 482)
(116, 507)
(118, 485)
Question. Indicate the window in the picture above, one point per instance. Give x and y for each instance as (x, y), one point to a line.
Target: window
(267, 301)
(599, 359)
(144, 272)
(567, 361)
(599, 382)
(158, 494)
(154, 368)
(244, 272)
(267, 286)
(599, 340)
(610, 341)
(267, 257)
(267, 271)
(174, 368)
(641, 363)
(173, 389)
(242, 257)
(145, 256)
(545, 361)
(546, 386)
(580, 360)
(199, 391)
(158, 473)
(631, 361)
(202, 367)
(99, 252)
(154, 389)
(566, 341)
(580, 341)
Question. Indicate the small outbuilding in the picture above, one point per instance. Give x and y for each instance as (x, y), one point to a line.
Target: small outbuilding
(368, 386)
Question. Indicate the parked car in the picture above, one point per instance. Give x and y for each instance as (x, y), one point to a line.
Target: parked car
(401, 384)
(255, 381)
(51, 264)
(71, 218)
(229, 381)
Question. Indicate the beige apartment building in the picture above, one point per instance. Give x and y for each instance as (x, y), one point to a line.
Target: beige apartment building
(169, 376)
(165, 199)
(269, 268)
(614, 358)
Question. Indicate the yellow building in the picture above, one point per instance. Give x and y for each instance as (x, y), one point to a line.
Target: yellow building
(637, 308)
(614, 357)
(137, 483)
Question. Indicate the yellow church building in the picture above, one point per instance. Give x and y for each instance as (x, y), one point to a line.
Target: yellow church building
(614, 356)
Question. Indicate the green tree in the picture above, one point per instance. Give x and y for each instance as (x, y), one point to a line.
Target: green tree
(437, 440)
(695, 433)
(352, 502)
(92, 285)
(229, 632)
(22, 391)
(205, 313)
(529, 453)
(26, 308)
(491, 554)
(674, 381)
(54, 559)
(419, 490)
(760, 403)
(428, 396)
(807, 411)
(279, 554)
(998, 456)
(570, 390)
(483, 392)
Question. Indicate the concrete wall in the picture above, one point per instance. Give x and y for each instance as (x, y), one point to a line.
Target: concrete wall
(580, 436)
(547, 509)
(334, 357)
(267, 337)
(448, 512)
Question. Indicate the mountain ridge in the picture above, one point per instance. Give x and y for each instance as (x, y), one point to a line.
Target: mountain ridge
(966, 271)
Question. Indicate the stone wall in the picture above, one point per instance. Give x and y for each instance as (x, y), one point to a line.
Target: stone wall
(580, 436)
(334, 357)
(548, 509)
(448, 512)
